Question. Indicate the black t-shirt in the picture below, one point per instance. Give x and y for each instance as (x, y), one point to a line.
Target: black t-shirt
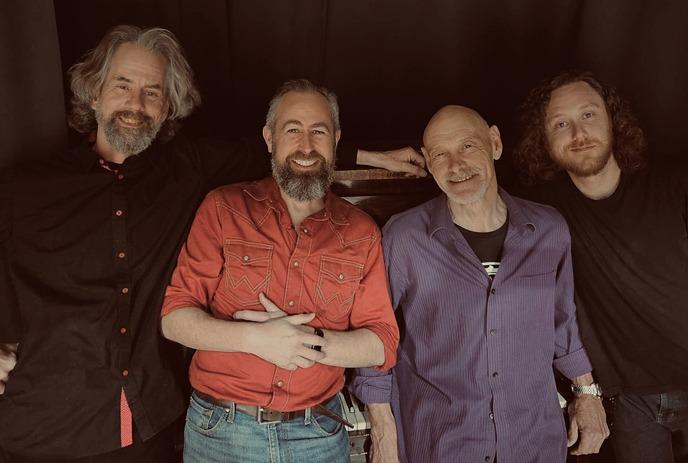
(630, 260)
(85, 257)
(487, 246)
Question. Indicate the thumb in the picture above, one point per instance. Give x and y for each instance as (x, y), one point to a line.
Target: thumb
(573, 433)
(300, 319)
(267, 304)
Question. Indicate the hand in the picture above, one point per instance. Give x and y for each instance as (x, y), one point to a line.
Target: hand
(282, 339)
(405, 160)
(587, 418)
(383, 434)
(8, 360)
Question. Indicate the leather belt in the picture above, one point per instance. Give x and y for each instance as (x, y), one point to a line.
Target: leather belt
(264, 415)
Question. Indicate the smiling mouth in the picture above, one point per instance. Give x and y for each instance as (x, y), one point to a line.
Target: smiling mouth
(130, 121)
(462, 179)
(583, 148)
(305, 162)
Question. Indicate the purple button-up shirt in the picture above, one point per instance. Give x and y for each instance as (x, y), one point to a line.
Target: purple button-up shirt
(474, 377)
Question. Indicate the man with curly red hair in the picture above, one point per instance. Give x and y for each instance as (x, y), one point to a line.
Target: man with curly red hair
(584, 146)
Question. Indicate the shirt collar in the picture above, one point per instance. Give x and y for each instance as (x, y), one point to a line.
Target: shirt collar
(267, 191)
(89, 160)
(519, 219)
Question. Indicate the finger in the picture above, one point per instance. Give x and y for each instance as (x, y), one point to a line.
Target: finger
(408, 168)
(268, 304)
(573, 433)
(291, 367)
(584, 446)
(302, 362)
(312, 340)
(253, 316)
(2, 387)
(300, 319)
(311, 354)
(415, 157)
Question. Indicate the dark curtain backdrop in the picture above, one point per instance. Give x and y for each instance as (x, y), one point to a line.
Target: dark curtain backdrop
(392, 62)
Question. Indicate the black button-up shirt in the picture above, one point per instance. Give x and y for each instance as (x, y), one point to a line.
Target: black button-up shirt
(86, 250)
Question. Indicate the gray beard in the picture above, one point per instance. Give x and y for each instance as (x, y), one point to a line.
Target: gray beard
(303, 187)
(125, 140)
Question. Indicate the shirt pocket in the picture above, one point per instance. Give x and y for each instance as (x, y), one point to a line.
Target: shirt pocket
(248, 268)
(338, 280)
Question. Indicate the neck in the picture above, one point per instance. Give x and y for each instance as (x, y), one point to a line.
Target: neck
(485, 215)
(299, 210)
(106, 151)
(601, 185)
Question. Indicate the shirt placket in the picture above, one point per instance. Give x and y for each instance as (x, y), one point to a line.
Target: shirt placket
(292, 302)
(124, 289)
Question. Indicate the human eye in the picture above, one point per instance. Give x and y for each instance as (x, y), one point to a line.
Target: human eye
(152, 94)
(588, 114)
(292, 130)
(437, 155)
(318, 132)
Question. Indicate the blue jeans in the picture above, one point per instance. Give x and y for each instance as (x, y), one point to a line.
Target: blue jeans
(224, 435)
(651, 428)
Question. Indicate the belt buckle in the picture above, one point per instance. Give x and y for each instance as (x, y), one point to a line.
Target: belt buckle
(260, 419)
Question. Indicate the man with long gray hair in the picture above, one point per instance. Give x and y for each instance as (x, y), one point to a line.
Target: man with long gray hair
(88, 242)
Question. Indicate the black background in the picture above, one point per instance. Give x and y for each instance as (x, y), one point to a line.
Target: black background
(391, 62)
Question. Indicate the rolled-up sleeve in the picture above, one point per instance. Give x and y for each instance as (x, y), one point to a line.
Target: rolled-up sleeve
(200, 262)
(372, 307)
(571, 358)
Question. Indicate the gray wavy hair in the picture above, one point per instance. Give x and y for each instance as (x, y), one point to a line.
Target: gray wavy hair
(301, 85)
(88, 76)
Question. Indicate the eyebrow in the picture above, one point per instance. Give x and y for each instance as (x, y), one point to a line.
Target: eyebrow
(129, 81)
(584, 106)
(300, 124)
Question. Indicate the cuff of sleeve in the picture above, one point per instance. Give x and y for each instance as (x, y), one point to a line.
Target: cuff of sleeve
(389, 342)
(373, 389)
(573, 364)
(171, 304)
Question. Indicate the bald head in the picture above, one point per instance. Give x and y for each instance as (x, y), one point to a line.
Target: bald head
(452, 116)
(460, 149)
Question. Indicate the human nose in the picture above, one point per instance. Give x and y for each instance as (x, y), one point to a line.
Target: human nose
(578, 132)
(306, 143)
(135, 101)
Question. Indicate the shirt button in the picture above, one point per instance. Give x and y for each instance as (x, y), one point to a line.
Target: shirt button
(340, 276)
(495, 374)
(296, 264)
(279, 383)
(119, 212)
(493, 332)
(120, 177)
(493, 290)
(125, 290)
(487, 458)
(290, 303)
(305, 230)
(123, 330)
(121, 254)
(492, 416)
(101, 161)
(125, 372)
(245, 258)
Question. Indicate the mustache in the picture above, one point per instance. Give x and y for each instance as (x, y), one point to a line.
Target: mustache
(461, 174)
(303, 154)
(583, 143)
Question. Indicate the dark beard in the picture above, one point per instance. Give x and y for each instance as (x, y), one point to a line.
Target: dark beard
(300, 186)
(584, 169)
(128, 141)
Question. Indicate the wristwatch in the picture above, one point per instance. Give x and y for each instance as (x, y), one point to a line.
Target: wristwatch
(593, 389)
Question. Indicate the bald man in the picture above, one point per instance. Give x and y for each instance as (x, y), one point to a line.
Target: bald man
(483, 285)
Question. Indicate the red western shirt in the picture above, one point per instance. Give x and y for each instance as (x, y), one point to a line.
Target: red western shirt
(242, 243)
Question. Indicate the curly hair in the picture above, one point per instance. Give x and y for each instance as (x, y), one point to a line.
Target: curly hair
(532, 157)
(88, 76)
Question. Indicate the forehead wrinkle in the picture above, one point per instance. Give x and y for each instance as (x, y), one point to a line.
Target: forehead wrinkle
(454, 119)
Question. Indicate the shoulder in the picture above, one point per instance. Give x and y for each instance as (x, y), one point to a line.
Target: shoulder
(415, 219)
(359, 221)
